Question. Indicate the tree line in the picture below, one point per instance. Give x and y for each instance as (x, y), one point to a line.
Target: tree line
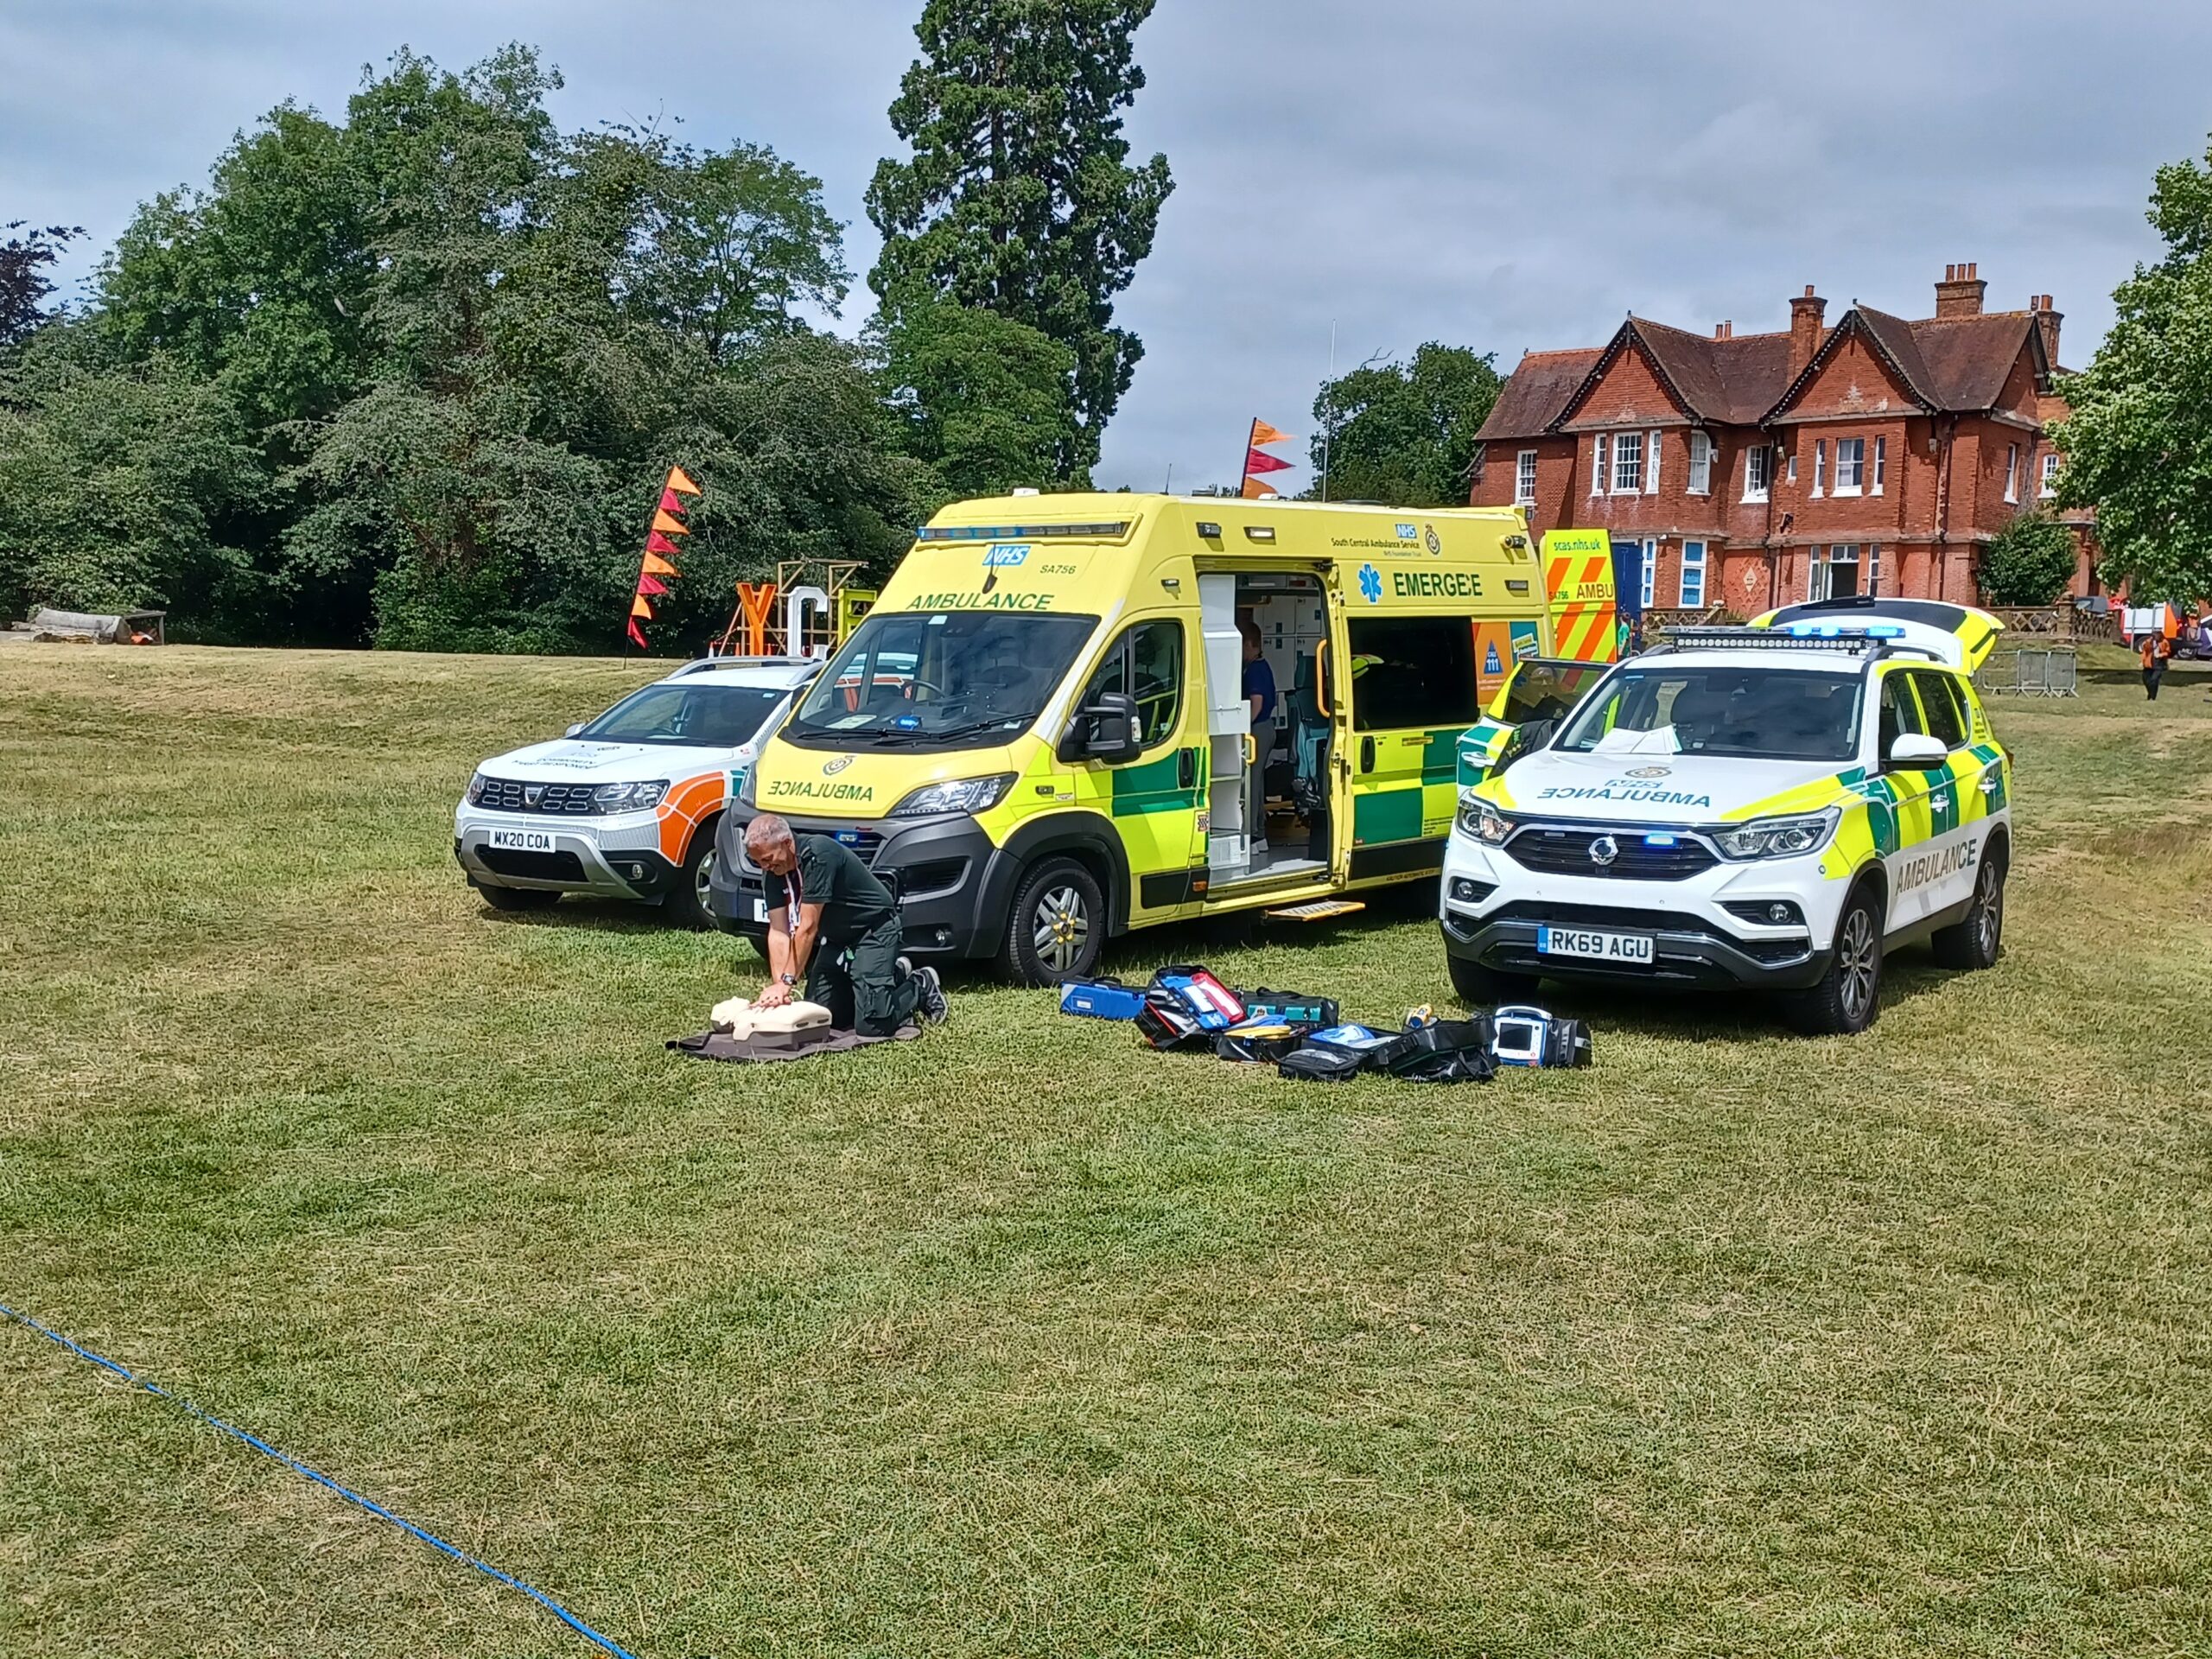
(411, 376)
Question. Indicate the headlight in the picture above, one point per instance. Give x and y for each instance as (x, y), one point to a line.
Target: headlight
(1484, 822)
(1778, 837)
(476, 788)
(627, 798)
(968, 795)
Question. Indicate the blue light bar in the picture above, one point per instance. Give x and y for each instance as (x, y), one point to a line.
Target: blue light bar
(1838, 630)
(1659, 841)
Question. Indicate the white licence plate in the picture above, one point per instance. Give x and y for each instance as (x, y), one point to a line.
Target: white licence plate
(1597, 946)
(528, 840)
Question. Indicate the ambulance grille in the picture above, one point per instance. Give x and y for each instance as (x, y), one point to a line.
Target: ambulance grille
(1553, 851)
(507, 794)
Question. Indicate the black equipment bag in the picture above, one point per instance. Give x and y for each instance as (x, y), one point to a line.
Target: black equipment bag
(1258, 1042)
(1449, 1050)
(1337, 1063)
(1168, 1026)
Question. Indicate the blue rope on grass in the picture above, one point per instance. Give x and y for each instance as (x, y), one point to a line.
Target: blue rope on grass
(322, 1479)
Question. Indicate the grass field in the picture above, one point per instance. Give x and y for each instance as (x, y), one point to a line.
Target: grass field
(1021, 1340)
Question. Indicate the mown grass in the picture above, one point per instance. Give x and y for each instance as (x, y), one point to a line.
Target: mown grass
(1021, 1340)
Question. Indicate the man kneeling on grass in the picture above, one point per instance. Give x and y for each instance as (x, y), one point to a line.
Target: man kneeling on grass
(832, 920)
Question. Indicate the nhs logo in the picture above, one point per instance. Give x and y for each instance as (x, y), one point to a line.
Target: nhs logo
(1409, 532)
(1001, 555)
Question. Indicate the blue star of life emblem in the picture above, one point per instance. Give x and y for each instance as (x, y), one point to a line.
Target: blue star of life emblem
(1370, 582)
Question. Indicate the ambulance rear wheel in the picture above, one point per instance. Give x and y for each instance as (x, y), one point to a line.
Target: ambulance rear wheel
(1485, 988)
(1973, 941)
(1058, 923)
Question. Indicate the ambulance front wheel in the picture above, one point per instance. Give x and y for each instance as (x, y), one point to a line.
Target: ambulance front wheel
(1849, 993)
(1484, 988)
(1056, 925)
(689, 904)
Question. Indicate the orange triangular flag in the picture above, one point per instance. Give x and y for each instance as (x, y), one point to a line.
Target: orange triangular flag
(667, 522)
(639, 607)
(680, 481)
(657, 566)
(1254, 490)
(1262, 433)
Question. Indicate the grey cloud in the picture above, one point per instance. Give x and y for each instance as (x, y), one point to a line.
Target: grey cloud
(1504, 176)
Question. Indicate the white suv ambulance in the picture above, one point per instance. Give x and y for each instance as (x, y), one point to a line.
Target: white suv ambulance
(1773, 807)
(627, 805)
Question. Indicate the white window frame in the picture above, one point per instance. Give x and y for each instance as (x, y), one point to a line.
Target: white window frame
(1650, 572)
(1758, 457)
(2047, 486)
(1524, 479)
(1881, 465)
(1793, 466)
(1701, 480)
(1693, 566)
(1602, 451)
(2011, 472)
(1872, 564)
(1820, 567)
(1628, 463)
(1856, 448)
(1651, 463)
(1819, 467)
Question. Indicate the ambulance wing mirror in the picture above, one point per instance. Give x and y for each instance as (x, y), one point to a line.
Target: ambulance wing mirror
(574, 729)
(1913, 752)
(1105, 729)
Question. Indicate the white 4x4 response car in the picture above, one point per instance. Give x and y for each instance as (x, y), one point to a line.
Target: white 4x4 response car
(625, 805)
(1774, 807)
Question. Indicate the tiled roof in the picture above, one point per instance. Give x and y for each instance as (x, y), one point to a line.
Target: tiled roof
(1956, 364)
(1535, 392)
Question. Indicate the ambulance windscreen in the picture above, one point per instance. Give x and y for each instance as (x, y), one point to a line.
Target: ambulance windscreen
(937, 678)
(1742, 714)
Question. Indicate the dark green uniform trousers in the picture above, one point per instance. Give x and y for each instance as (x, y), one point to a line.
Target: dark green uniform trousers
(861, 985)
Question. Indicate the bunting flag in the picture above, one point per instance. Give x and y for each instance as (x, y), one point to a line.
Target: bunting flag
(1258, 461)
(659, 561)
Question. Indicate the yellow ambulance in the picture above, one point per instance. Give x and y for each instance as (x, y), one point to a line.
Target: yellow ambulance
(1055, 725)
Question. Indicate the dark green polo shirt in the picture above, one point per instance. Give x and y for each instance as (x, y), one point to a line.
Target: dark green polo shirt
(831, 875)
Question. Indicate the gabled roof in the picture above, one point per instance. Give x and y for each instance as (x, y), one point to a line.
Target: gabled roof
(1953, 365)
(1950, 365)
(1536, 393)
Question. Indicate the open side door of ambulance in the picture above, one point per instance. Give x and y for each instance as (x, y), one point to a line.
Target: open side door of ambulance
(1957, 634)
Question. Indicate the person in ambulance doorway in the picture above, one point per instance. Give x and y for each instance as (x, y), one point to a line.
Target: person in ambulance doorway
(832, 921)
(1259, 697)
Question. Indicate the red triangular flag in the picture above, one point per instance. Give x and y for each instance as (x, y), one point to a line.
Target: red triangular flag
(651, 586)
(680, 480)
(1259, 461)
(670, 502)
(639, 637)
(658, 543)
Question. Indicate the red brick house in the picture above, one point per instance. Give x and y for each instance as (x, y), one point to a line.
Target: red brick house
(1876, 454)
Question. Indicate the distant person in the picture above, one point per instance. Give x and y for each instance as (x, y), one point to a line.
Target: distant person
(833, 924)
(2156, 648)
(1260, 698)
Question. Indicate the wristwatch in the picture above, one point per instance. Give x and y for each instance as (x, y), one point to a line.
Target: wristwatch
(788, 979)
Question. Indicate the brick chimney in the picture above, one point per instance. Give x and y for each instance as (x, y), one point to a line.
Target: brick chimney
(2048, 321)
(1959, 294)
(1724, 331)
(1805, 313)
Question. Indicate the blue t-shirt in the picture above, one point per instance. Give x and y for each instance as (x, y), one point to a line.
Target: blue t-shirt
(1260, 680)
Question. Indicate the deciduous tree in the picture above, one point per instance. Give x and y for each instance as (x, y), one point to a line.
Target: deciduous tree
(2139, 442)
(1404, 433)
(2029, 562)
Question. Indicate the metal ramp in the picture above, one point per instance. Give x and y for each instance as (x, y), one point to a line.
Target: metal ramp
(1314, 910)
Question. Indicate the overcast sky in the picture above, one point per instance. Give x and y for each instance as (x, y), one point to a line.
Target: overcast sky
(1505, 176)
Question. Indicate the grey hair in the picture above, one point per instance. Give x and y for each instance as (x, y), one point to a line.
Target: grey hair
(765, 831)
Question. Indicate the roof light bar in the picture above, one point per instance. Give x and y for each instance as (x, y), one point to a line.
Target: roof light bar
(1016, 532)
(1723, 638)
